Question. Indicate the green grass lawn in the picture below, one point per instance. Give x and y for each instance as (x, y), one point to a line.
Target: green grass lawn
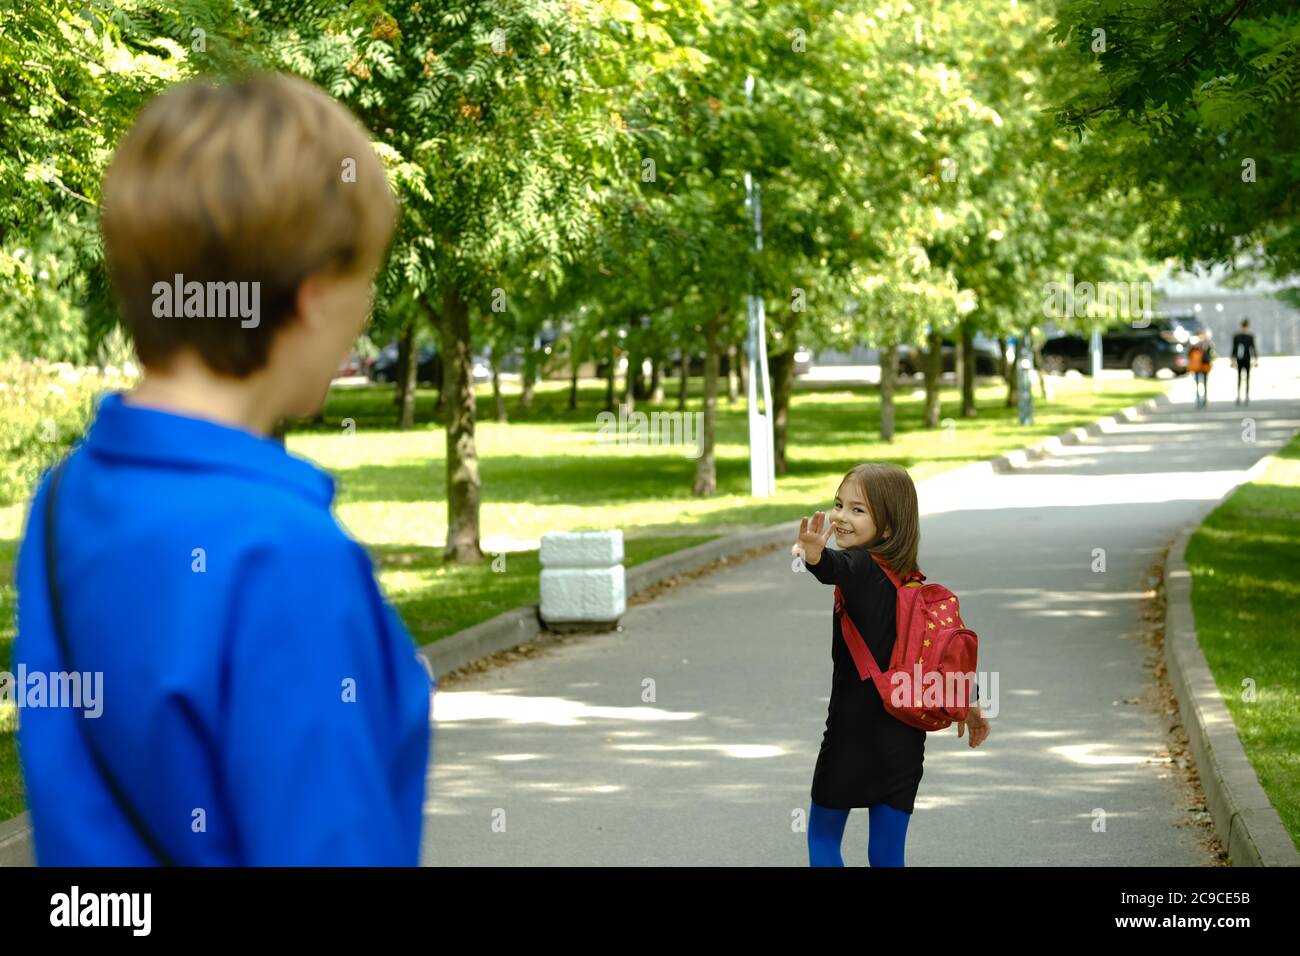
(546, 471)
(1245, 595)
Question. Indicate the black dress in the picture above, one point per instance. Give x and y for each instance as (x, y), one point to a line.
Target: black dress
(867, 756)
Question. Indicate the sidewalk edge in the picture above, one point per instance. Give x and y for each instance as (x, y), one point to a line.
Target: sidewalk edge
(1244, 819)
(1048, 447)
(521, 625)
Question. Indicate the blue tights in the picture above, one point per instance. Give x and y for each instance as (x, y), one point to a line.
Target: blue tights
(884, 844)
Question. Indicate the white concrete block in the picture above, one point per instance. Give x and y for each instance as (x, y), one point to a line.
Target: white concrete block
(583, 594)
(582, 549)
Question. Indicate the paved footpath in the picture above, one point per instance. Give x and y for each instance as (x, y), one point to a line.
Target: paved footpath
(689, 737)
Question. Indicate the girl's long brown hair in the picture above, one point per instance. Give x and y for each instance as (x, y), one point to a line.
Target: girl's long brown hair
(891, 496)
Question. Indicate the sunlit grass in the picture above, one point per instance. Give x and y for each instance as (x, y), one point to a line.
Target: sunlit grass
(1245, 596)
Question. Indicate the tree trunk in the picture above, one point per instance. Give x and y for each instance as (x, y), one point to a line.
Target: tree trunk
(888, 380)
(706, 471)
(742, 369)
(933, 377)
(629, 381)
(684, 383)
(407, 377)
(574, 363)
(463, 484)
(440, 405)
(782, 369)
(657, 381)
(1036, 345)
(498, 399)
(968, 409)
(530, 374)
(405, 340)
(609, 380)
(733, 383)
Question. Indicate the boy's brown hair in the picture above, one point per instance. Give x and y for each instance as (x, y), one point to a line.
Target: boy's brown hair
(265, 179)
(891, 496)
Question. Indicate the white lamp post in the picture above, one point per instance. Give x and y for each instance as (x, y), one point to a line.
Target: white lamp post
(762, 464)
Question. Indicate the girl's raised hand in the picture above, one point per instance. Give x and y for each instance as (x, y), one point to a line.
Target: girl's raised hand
(812, 539)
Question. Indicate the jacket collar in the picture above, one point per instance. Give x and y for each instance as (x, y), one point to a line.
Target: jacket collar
(153, 436)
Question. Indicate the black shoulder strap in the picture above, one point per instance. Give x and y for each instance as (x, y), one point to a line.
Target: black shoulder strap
(56, 614)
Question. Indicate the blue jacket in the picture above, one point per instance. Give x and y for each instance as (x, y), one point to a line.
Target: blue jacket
(262, 702)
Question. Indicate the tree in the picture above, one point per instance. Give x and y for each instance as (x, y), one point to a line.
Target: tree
(500, 122)
(1196, 104)
(71, 81)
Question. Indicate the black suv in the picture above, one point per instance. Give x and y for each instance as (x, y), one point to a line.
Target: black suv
(988, 361)
(1144, 350)
(428, 369)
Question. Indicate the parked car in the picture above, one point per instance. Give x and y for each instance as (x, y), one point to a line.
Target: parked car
(803, 361)
(672, 365)
(428, 369)
(1164, 343)
(988, 360)
(547, 339)
(352, 364)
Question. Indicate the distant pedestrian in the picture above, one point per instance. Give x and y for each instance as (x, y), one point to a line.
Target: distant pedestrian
(1243, 356)
(1199, 360)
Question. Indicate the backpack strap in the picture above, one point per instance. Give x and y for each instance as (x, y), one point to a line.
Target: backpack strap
(863, 659)
(133, 816)
(913, 579)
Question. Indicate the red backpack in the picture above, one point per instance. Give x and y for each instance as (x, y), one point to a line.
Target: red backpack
(933, 646)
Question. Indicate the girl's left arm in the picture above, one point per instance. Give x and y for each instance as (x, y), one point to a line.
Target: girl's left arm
(840, 567)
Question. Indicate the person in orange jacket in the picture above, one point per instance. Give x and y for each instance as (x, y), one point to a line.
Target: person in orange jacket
(1199, 361)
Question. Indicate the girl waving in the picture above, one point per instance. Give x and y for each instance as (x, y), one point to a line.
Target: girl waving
(868, 758)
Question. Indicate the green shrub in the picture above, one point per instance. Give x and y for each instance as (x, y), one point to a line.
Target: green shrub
(44, 408)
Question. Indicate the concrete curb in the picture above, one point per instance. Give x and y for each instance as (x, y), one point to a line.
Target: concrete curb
(16, 841)
(522, 625)
(1053, 445)
(651, 573)
(500, 633)
(1244, 819)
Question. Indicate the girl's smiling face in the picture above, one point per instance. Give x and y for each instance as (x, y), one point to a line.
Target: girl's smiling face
(851, 518)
